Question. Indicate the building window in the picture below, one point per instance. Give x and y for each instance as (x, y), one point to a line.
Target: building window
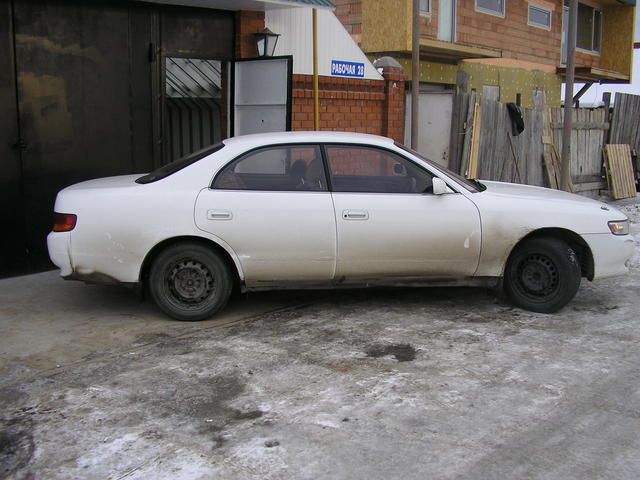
(425, 7)
(539, 17)
(492, 7)
(589, 28)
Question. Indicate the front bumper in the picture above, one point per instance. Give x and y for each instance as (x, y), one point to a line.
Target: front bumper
(59, 246)
(611, 253)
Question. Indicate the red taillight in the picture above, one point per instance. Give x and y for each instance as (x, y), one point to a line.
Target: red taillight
(63, 222)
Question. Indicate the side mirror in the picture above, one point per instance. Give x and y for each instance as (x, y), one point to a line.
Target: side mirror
(439, 187)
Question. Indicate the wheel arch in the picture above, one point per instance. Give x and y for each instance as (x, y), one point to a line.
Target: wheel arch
(574, 240)
(232, 264)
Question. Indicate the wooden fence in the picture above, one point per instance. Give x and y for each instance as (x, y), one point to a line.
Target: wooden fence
(625, 121)
(499, 155)
(587, 141)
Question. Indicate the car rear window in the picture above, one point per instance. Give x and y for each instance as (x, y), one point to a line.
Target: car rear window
(177, 165)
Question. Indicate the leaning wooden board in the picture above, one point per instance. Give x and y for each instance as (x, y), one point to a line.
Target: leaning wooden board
(619, 171)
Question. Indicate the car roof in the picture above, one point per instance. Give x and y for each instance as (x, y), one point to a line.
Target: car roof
(272, 138)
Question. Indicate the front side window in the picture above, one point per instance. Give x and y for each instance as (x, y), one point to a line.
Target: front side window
(493, 7)
(372, 170)
(282, 168)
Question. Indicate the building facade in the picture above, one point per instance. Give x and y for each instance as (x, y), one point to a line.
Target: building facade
(506, 47)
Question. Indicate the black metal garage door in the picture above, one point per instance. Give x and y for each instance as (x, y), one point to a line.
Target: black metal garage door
(81, 96)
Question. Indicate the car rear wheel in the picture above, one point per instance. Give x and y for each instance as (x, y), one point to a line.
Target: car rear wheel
(190, 282)
(542, 275)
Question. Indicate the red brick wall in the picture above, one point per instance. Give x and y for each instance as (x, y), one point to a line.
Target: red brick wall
(511, 34)
(346, 104)
(247, 23)
(350, 14)
(351, 105)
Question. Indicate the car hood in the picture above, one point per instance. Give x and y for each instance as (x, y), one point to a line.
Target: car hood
(529, 192)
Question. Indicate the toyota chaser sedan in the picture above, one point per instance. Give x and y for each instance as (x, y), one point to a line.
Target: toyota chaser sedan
(317, 210)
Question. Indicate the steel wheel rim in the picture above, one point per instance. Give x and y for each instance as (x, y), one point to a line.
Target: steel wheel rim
(190, 283)
(537, 276)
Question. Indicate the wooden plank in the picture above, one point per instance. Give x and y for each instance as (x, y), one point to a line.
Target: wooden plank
(589, 186)
(584, 125)
(466, 146)
(552, 174)
(619, 171)
(475, 143)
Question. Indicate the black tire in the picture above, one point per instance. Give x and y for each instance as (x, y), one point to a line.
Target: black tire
(190, 282)
(542, 275)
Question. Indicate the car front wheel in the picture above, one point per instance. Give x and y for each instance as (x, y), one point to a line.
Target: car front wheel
(542, 275)
(190, 282)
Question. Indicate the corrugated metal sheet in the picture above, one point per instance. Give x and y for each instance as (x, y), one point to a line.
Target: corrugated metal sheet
(310, 3)
(334, 43)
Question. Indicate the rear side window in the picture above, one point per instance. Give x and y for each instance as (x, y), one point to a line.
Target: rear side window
(373, 170)
(177, 165)
(281, 168)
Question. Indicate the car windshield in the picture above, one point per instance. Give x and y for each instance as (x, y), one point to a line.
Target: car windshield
(471, 185)
(179, 164)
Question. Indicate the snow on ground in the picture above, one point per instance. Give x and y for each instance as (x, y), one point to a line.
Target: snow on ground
(409, 383)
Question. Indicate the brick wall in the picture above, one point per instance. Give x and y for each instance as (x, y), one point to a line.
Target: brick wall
(247, 23)
(351, 105)
(350, 14)
(346, 104)
(511, 34)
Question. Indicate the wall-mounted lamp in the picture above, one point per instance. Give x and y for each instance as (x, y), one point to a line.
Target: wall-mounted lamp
(266, 42)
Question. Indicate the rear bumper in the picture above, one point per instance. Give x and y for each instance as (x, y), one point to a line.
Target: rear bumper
(611, 253)
(59, 245)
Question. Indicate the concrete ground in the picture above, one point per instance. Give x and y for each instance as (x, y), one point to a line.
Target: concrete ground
(407, 383)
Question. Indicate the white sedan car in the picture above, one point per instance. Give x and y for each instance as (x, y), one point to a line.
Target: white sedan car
(317, 210)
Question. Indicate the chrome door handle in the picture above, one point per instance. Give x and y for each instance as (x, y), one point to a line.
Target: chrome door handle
(355, 215)
(219, 215)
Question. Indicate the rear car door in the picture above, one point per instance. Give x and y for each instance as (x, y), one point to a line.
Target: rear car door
(273, 208)
(390, 224)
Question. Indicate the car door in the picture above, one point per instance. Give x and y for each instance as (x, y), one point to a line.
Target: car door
(390, 224)
(273, 208)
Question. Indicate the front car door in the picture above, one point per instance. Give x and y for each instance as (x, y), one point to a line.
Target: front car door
(273, 208)
(389, 223)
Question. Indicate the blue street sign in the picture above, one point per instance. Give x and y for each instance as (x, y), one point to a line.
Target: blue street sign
(340, 68)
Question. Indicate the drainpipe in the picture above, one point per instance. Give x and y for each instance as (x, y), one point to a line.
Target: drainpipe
(565, 168)
(415, 74)
(316, 94)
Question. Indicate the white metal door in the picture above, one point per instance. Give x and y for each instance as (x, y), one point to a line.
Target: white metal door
(261, 96)
(435, 125)
(416, 236)
(446, 20)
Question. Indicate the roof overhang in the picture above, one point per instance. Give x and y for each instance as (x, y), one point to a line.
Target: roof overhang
(259, 5)
(595, 75)
(440, 51)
